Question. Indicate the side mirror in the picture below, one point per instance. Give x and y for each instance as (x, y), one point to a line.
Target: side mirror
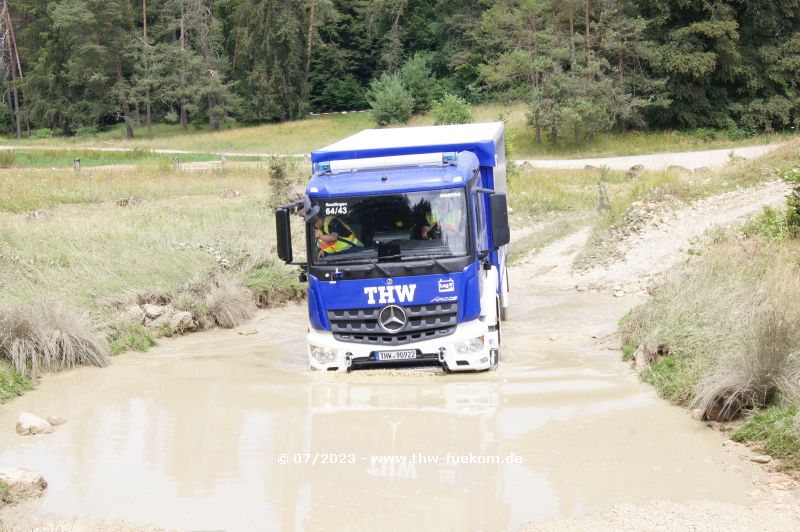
(283, 228)
(501, 233)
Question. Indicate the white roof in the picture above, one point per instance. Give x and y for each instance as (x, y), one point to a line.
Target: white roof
(403, 137)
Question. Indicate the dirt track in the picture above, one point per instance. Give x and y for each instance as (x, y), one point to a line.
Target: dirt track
(192, 434)
(659, 161)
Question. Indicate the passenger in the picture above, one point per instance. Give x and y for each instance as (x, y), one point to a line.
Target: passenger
(333, 235)
(450, 218)
(426, 226)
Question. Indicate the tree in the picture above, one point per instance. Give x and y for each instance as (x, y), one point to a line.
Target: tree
(390, 100)
(451, 109)
(82, 62)
(270, 66)
(419, 81)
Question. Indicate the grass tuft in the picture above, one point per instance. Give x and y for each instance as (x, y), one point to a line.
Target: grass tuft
(12, 384)
(48, 336)
(777, 431)
(229, 303)
(129, 337)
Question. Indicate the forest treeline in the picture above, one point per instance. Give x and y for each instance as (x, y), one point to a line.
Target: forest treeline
(582, 66)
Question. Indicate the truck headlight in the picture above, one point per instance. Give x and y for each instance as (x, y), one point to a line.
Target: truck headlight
(473, 345)
(322, 354)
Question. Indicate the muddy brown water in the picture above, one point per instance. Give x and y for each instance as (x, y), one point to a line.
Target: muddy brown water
(192, 434)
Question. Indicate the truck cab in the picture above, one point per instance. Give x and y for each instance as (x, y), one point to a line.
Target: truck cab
(406, 232)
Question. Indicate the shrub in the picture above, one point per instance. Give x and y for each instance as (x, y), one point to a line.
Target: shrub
(42, 133)
(771, 224)
(451, 109)
(279, 181)
(390, 101)
(48, 336)
(793, 201)
(229, 303)
(419, 81)
(85, 131)
(7, 158)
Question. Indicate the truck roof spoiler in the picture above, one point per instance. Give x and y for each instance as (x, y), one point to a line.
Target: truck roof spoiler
(393, 161)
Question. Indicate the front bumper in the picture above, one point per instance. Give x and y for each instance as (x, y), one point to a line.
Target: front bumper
(438, 352)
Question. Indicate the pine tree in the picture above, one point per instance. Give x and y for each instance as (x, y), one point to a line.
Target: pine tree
(270, 66)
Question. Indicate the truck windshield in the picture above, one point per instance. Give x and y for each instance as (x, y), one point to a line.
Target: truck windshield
(389, 227)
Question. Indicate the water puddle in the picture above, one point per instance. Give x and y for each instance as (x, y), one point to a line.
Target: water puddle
(223, 431)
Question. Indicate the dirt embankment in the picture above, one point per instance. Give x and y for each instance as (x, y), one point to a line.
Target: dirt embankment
(659, 240)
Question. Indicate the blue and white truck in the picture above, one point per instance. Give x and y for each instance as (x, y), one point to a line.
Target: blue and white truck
(406, 235)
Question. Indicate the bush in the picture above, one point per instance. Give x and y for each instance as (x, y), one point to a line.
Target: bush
(229, 303)
(771, 224)
(7, 158)
(48, 336)
(793, 201)
(85, 131)
(390, 101)
(43, 133)
(451, 109)
(279, 181)
(419, 81)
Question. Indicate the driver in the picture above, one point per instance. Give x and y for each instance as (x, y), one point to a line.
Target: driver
(333, 235)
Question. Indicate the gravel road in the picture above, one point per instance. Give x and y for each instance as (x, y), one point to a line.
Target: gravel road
(659, 161)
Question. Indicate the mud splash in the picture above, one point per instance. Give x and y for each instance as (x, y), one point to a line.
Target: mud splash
(193, 434)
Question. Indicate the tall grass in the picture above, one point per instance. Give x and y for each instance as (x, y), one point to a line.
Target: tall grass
(731, 319)
(229, 303)
(48, 335)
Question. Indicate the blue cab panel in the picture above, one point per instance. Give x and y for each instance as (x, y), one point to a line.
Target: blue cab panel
(460, 287)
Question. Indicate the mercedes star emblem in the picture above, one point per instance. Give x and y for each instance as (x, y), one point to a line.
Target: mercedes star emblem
(392, 319)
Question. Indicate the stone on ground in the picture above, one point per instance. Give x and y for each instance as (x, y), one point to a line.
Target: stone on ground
(28, 424)
(20, 484)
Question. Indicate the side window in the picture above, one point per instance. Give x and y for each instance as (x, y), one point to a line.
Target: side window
(480, 220)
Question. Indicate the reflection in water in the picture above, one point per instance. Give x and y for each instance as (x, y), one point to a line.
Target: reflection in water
(193, 435)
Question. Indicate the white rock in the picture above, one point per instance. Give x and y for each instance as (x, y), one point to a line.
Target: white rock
(153, 311)
(247, 331)
(762, 459)
(640, 359)
(29, 424)
(135, 314)
(181, 322)
(698, 415)
(56, 420)
(581, 288)
(22, 484)
(619, 293)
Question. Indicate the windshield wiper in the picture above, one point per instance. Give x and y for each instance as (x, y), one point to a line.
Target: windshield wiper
(375, 264)
(359, 260)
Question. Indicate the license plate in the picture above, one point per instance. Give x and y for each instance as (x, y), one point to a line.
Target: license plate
(395, 355)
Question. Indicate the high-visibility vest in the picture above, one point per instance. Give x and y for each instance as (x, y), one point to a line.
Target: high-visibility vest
(340, 244)
(452, 220)
(433, 223)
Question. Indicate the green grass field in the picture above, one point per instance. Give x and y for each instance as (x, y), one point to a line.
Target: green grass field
(302, 136)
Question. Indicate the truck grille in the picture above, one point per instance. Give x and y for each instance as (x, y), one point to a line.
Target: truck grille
(425, 322)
